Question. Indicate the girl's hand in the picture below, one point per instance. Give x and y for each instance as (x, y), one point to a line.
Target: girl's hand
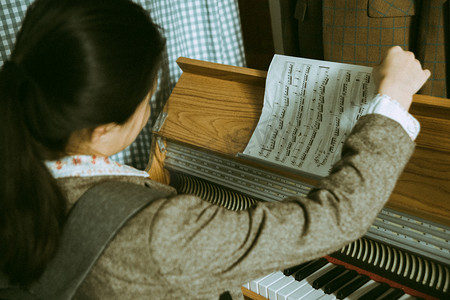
(400, 76)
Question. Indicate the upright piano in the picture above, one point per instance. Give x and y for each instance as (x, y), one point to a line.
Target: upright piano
(209, 119)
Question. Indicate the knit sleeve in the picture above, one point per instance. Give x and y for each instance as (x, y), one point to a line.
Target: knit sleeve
(213, 248)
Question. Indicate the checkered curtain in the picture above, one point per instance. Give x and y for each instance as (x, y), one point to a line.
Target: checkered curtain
(11, 15)
(200, 29)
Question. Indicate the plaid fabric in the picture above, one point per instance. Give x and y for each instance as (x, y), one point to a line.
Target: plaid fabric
(360, 32)
(11, 15)
(200, 29)
(391, 8)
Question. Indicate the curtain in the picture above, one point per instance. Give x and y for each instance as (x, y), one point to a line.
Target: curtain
(207, 30)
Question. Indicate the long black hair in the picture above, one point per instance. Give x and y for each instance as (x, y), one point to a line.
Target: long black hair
(76, 64)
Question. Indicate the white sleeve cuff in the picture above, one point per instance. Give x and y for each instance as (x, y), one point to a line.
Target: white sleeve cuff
(388, 107)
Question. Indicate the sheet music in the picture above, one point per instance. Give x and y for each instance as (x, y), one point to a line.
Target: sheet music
(310, 107)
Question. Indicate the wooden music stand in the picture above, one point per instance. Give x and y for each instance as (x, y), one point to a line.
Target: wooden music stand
(216, 108)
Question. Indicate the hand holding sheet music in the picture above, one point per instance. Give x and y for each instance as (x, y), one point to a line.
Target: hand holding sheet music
(310, 107)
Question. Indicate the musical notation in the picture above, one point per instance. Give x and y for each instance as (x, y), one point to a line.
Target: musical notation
(309, 109)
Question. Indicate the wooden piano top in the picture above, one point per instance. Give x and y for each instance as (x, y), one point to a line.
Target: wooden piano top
(216, 107)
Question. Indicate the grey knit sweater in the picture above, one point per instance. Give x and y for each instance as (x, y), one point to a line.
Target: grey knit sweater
(186, 248)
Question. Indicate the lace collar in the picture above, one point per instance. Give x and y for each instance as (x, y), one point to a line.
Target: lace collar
(86, 165)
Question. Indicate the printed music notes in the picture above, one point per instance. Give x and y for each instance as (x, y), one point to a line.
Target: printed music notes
(310, 107)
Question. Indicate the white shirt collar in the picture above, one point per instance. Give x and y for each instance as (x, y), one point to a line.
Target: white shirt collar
(86, 165)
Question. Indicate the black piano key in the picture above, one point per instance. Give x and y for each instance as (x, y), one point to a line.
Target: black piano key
(352, 286)
(330, 275)
(340, 281)
(292, 270)
(393, 295)
(310, 269)
(375, 292)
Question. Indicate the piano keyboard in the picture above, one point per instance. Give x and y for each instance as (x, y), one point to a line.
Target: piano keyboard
(321, 279)
(364, 269)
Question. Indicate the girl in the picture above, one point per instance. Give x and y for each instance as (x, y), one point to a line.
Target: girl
(76, 90)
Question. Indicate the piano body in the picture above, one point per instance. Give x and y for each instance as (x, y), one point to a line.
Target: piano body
(209, 119)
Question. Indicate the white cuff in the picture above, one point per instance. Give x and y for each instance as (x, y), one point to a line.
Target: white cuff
(388, 107)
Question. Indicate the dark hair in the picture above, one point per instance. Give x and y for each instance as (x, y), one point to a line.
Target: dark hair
(76, 64)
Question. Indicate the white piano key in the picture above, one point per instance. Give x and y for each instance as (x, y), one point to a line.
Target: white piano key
(254, 283)
(362, 290)
(247, 285)
(277, 286)
(266, 282)
(315, 294)
(289, 289)
(301, 293)
(328, 297)
(307, 287)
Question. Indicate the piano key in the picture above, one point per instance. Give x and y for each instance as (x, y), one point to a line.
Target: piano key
(292, 270)
(314, 294)
(266, 282)
(254, 283)
(327, 277)
(306, 292)
(367, 287)
(307, 288)
(375, 292)
(310, 269)
(340, 281)
(327, 297)
(289, 289)
(407, 297)
(277, 286)
(352, 286)
(392, 294)
(300, 293)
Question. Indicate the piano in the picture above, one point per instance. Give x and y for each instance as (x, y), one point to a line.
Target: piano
(209, 119)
